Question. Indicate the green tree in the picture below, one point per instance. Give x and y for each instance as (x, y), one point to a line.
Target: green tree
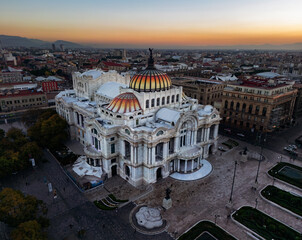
(16, 138)
(50, 133)
(30, 149)
(10, 162)
(16, 208)
(30, 230)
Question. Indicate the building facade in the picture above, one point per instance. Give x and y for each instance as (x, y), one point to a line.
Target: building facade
(14, 100)
(258, 104)
(206, 91)
(141, 130)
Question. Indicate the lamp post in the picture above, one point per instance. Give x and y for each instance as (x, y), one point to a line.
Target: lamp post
(230, 201)
(261, 156)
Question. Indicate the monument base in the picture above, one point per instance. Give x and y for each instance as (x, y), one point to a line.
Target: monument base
(167, 203)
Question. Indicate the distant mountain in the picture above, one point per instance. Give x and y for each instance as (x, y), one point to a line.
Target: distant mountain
(15, 41)
(68, 44)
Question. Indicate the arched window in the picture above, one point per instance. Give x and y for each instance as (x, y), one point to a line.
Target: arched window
(250, 108)
(163, 101)
(257, 109)
(177, 97)
(157, 101)
(264, 111)
(225, 104)
(232, 105)
(237, 106)
(147, 103)
(152, 102)
(172, 99)
(243, 107)
(168, 99)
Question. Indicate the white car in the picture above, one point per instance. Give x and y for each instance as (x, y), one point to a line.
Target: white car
(240, 135)
(294, 147)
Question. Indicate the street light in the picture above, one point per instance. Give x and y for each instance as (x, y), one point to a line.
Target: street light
(233, 182)
(261, 156)
(256, 203)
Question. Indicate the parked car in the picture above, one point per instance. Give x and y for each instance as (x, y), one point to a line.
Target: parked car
(290, 150)
(240, 135)
(222, 149)
(294, 147)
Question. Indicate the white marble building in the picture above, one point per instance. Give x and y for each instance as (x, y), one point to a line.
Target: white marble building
(141, 129)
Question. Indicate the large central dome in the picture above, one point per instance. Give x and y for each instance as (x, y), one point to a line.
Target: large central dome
(151, 79)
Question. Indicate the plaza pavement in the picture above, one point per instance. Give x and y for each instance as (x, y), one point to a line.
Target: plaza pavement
(205, 198)
(202, 199)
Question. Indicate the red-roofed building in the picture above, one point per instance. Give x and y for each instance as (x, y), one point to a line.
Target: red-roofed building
(112, 66)
(13, 100)
(49, 86)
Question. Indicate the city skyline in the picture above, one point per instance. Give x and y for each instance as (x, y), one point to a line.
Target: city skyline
(162, 24)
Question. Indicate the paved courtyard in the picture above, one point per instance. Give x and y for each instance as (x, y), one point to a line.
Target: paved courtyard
(203, 199)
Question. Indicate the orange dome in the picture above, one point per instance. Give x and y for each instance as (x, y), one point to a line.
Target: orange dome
(150, 80)
(124, 103)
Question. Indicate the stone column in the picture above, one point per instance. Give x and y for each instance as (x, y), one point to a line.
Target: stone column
(135, 154)
(192, 165)
(95, 162)
(202, 135)
(186, 165)
(178, 165)
(176, 144)
(153, 155)
(122, 147)
(194, 137)
(216, 130)
(150, 155)
(208, 134)
(165, 150)
(132, 154)
(145, 154)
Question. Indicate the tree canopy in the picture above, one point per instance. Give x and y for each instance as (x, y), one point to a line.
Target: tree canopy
(30, 230)
(15, 151)
(16, 208)
(50, 132)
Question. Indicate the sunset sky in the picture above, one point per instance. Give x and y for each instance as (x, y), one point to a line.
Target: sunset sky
(159, 22)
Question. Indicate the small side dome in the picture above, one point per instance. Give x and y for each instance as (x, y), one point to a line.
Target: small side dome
(124, 103)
